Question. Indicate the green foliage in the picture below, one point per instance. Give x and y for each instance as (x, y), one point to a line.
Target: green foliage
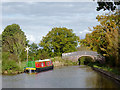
(0, 51)
(13, 46)
(33, 51)
(22, 66)
(62, 62)
(0, 40)
(42, 54)
(33, 47)
(83, 48)
(105, 68)
(85, 60)
(58, 41)
(13, 40)
(10, 65)
(36, 53)
(23, 55)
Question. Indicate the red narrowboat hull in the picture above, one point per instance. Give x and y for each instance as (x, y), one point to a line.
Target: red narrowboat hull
(44, 68)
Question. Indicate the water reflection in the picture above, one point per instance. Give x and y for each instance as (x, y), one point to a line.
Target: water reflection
(64, 77)
(97, 81)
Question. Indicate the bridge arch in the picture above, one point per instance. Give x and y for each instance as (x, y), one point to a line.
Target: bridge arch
(87, 56)
(74, 56)
(85, 59)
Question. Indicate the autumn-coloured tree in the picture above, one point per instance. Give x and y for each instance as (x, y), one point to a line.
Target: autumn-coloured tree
(104, 38)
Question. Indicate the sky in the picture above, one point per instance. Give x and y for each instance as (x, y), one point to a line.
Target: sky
(36, 19)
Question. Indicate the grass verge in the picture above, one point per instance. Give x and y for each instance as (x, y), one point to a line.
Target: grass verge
(108, 69)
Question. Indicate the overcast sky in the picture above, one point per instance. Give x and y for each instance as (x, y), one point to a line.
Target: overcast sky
(36, 19)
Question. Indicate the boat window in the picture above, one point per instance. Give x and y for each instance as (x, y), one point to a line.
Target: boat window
(37, 64)
(42, 64)
(48, 63)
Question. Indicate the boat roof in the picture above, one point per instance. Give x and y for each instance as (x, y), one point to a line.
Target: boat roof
(42, 60)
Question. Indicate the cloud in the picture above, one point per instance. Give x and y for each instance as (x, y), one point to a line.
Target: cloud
(83, 33)
(48, 9)
(36, 19)
(47, 1)
(31, 38)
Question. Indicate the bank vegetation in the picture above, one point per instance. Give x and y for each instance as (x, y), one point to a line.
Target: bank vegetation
(104, 39)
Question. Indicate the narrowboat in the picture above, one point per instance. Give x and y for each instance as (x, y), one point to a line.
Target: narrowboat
(39, 65)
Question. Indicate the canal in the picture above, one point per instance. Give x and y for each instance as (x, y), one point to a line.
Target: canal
(63, 77)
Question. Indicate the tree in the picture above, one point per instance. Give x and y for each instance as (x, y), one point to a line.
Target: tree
(33, 50)
(94, 40)
(42, 54)
(110, 25)
(107, 5)
(0, 44)
(0, 40)
(104, 38)
(13, 41)
(33, 47)
(111, 6)
(59, 40)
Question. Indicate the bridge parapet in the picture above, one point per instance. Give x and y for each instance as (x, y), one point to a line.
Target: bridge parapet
(74, 56)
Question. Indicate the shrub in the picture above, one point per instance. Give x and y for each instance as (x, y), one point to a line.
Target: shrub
(9, 65)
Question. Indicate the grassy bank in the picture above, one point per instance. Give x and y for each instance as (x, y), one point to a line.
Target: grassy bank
(58, 61)
(98, 65)
(115, 71)
(13, 68)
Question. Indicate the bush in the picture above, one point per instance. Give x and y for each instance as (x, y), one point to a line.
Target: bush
(65, 62)
(22, 66)
(9, 65)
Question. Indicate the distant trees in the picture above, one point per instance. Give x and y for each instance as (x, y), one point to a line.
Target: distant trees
(37, 53)
(14, 42)
(59, 40)
(33, 50)
(42, 54)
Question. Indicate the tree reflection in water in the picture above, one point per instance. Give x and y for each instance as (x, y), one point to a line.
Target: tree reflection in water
(98, 80)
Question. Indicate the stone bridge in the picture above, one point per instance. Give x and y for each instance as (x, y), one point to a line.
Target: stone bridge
(74, 56)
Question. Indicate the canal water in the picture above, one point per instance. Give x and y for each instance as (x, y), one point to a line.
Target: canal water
(64, 77)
